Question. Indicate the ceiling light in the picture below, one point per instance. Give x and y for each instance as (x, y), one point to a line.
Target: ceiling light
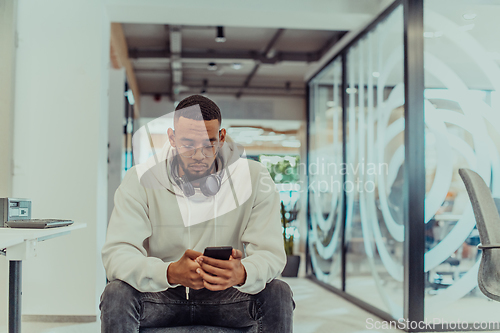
(376, 74)
(469, 16)
(220, 35)
(252, 132)
(271, 138)
(291, 143)
(212, 66)
(271, 53)
(244, 140)
(351, 90)
(237, 65)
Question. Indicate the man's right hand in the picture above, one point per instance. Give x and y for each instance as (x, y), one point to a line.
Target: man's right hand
(183, 271)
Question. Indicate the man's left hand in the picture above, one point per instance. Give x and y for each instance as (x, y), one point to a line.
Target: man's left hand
(222, 274)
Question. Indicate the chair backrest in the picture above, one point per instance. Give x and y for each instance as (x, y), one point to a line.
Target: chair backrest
(488, 225)
(485, 210)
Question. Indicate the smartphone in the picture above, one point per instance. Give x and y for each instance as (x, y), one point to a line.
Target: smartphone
(218, 252)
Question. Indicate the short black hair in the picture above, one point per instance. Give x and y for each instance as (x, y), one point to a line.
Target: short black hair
(209, 110)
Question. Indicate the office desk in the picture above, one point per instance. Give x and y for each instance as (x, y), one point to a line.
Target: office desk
(19, 244)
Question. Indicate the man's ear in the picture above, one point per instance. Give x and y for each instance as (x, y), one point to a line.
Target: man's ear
(171, 137)
(222, 135)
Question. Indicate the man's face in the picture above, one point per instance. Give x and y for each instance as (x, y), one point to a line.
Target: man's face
(189, 134)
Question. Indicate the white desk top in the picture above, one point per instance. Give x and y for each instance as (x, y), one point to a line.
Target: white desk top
(13, 236)
(10, 240)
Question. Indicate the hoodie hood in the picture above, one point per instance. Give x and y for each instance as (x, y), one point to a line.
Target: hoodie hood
(156, 171)
(236, 186)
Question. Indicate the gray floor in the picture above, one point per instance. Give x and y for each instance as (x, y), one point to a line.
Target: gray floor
(317, 311)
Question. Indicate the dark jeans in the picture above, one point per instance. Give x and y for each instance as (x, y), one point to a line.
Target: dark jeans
(124, 309)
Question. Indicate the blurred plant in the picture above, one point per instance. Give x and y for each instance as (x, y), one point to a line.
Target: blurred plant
(284, 171)
(287, 231)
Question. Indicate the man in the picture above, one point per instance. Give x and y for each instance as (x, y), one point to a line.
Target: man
(201, 193)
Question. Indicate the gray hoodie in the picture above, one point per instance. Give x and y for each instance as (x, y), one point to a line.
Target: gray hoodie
(153, 223)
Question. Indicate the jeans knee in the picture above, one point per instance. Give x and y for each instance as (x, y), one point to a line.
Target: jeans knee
(279, 292)
(118, 294)
(279, 288)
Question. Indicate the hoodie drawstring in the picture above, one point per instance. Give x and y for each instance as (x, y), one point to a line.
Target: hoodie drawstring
(215, 219)
(189, 235)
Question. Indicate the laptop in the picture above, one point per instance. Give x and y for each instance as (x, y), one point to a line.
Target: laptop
(38, 223)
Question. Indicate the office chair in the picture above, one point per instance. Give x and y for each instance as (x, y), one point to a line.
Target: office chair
(488, 225)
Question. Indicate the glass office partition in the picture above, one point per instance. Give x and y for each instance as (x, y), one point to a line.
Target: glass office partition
(325, 174)
(356, 177)
(375, 155)
(462, 118)
(363, 250)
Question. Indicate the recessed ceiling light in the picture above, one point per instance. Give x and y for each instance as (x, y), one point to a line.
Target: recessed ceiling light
(376, 74)
(237, 65)
(351, 90)
(220, 35)
(212, 66)
(469, 16)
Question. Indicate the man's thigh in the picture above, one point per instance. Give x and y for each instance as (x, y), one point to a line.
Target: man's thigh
(226, 308)
(166, 309)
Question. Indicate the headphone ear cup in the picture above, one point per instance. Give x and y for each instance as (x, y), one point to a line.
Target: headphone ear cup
(211, 185)
(186, 186)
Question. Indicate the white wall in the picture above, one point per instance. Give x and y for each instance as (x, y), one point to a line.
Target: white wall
(8, 14)
(246, 107)
(60, 148)
(7, 63)
(115, 132)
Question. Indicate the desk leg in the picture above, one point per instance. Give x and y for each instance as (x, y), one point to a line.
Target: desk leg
(15, 296)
